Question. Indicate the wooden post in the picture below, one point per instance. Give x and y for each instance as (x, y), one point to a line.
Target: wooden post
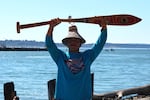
(51, 89)
(9, 91)
(92, 80)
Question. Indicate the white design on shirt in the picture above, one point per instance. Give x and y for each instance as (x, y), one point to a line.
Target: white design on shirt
(75, 65)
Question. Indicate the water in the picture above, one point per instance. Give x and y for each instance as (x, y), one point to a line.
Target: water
(113, 70)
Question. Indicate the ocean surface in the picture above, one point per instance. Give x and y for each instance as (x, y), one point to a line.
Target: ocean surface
(113, 70)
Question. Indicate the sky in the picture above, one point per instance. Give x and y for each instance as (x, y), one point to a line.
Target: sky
(31, 11)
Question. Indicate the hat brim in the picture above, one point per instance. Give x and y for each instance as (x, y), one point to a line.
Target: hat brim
(65, 40)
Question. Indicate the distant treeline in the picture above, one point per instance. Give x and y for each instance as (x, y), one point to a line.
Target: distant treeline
(37, 44)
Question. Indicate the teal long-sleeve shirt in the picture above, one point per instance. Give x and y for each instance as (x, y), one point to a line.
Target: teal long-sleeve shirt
(69, 85)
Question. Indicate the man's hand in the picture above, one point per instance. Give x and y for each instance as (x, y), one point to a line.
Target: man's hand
(103, 23)
(53, 23)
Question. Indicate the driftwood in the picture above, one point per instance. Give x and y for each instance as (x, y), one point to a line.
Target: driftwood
(143, 90)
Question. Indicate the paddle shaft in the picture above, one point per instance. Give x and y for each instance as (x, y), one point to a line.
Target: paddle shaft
(45, 23)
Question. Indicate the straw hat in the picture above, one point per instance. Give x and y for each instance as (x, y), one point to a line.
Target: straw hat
(73, 33)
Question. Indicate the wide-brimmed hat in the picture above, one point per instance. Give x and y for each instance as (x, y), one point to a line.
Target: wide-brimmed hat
(73, 33)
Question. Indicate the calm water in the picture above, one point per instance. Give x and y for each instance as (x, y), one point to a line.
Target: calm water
(113, 70)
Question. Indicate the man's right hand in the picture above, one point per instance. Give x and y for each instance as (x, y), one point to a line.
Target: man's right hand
(54, 22)
(103, 23)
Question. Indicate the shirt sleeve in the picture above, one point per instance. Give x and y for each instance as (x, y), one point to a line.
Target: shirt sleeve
(98, 46)
(52, 48)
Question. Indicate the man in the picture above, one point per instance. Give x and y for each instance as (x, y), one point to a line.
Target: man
(74, 75)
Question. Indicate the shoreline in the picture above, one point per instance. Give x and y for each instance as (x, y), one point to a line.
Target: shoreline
(23, 49)
(45, 49)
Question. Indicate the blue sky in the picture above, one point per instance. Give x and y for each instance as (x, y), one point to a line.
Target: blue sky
(30, 11)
